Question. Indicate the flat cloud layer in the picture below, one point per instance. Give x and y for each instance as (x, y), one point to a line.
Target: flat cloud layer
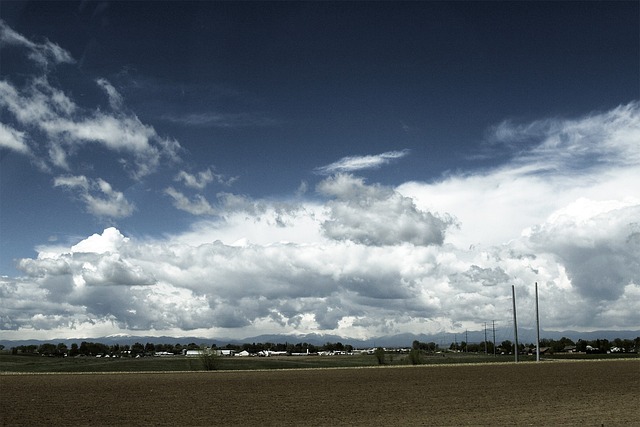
(369, 259)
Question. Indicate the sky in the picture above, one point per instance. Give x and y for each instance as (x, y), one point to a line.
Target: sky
(225, 169)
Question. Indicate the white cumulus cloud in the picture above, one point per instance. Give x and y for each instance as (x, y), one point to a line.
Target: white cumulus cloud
(377, 215)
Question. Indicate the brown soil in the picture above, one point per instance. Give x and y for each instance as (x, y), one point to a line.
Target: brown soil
(548, 393)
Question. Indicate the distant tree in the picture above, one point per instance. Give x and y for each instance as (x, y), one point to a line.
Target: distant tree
(137, 349)
(74, 350)
(627, 345)
(289, 348)
(415, 345)
(581, 346)
(414, 356)
(61, 349)
(379, 354)
(115, 349)
(98, 348)
(84, 348)
(47, 349)
(329, 346)
(507, 346)
(473, 348)
(209, 359)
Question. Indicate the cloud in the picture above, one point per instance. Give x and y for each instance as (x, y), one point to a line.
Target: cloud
(222, 120)
(307, 282)
(574, 146)
(13, 139)
(43, 54)
(203, 178)
(357, 259)
(355, 163)
(366, 261)
(109, 241)
(57, 128)
(115, 99)
(196, 206)
(376, 215)
(314, 285)
(99, 197)
(593, 157)
(199, 181)
(68, 128)
(598, 242)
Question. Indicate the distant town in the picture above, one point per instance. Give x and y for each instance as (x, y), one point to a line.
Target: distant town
(267, 349)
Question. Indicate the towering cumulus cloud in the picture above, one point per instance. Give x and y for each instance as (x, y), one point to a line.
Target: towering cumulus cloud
(375, 215)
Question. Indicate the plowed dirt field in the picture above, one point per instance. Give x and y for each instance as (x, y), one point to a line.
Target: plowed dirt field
(548, 393)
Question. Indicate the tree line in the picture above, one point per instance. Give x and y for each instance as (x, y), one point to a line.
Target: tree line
(137, 349)
(564, 344)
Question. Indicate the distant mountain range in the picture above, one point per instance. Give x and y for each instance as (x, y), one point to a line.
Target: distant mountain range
(401, 340)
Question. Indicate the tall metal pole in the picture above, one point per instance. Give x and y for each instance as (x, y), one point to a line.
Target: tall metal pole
(494, 337)
(537, 327)
(466, 340)
(515, 318)
(485, 338)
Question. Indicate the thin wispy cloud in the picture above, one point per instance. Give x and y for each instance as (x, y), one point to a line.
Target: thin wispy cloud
(42, 53)
(68, 128)
(574, 145)
(39, 107)
(98, 196)
(222, 120)
(115, 99)
(13, 139)
(356, 163)
(198, 181)
(203, 178)
(198, 205)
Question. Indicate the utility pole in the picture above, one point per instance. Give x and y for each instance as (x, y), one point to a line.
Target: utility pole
(537, 327)
(485, 338)
(494, 337)
(515, 319)
(466, 340)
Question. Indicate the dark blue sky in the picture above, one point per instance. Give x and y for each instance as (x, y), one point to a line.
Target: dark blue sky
(267, 92)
